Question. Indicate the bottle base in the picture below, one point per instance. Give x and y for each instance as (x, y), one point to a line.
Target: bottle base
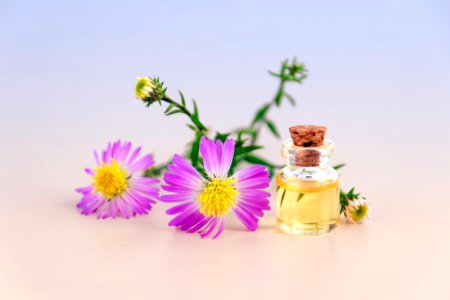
(306, 229)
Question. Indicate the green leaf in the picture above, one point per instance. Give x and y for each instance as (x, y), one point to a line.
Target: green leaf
(273, 128)
(183, 101)
(290, 98)
(261, 113)
(174, 112)
(253, 159)
(274, 74)
(196, 121)
(252, 148)
(278, 97)
(343, 200)
(248, 131)
(350, 194)
(222, 136)
(244, 150)
(339, 166)
(195, 148)
(191, 127)
(195, 108)
(171, 105)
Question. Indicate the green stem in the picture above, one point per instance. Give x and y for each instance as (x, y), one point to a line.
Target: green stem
(257, 126)
(193, 116)
(181, 107)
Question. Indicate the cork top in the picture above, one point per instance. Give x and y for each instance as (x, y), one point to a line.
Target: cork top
(308, 135)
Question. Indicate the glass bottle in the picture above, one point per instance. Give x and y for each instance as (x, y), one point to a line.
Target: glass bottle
(307, 196)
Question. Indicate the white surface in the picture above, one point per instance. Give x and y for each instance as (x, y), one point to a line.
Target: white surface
(49, 251)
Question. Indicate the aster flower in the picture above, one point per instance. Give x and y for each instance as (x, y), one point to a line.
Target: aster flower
(117, 190)
(355, 207)
(202, 203)
(149, 90)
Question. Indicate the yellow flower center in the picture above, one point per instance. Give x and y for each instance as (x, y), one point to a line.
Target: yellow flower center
(218, 197)
(360, 213)
(110, 179)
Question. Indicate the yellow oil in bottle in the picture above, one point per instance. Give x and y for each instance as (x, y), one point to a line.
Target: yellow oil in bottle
(307, 207)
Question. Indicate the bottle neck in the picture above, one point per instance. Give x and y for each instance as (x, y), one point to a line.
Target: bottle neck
(308, 163)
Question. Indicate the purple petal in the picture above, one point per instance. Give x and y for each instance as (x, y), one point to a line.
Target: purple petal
(256, 183)
(182, 217)
(179, 208)
(226, 157)
(115, 149)
(145, 180)
(103, 205)
(97, 161)
(257, 203)
(207, 161)
(206, 227)
(144, 188)
(176, 180)
(247, 219)
(84, 190)
(124, 151)
(211, 160)
(86, 199)
(199, 217)
(182, 172)
(212, 226)
(140, 199)
(256, 211)
(129, 201)
(89, 172)
(106, 155)
(221, 226)
(185, 165)
(122, 207)
(253, 193)
(114, 209)
(142, 164)
(133, 156)
(176, 189)
(199, 225)
(182, 197)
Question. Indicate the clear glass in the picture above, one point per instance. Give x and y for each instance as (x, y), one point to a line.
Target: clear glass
(307, 197)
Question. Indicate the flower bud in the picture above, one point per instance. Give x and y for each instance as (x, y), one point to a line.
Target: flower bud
(357, 210)
(148, 89)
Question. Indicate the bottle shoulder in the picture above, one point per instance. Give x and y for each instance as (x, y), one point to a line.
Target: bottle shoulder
(308, 177)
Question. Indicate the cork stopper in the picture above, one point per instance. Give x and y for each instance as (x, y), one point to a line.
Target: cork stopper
(306, 136)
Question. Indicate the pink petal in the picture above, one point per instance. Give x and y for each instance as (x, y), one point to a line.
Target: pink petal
(115, 149)
(226, 157)
(133, 156)
(212, 226)
(185, 215)
(97, 161)
(179, 208)
(142, 164)
(211, 160)
(84, 190)
(221, 226)
(124, 151)
(247, 219)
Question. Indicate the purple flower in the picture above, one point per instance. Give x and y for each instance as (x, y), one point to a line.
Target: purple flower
(117, 190)
(203, 203)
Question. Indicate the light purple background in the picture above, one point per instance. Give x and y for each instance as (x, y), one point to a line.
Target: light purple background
(379, 79)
